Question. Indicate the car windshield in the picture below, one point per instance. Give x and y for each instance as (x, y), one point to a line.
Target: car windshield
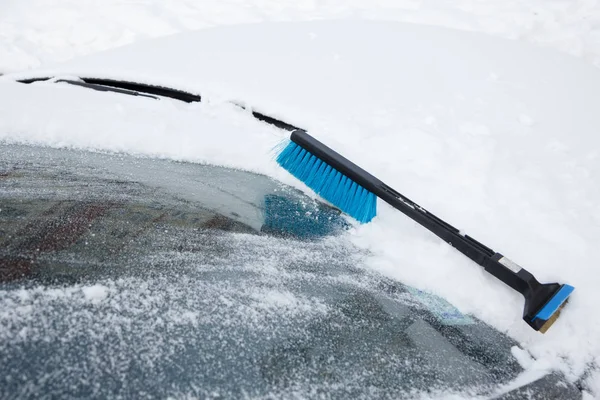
(136, 277)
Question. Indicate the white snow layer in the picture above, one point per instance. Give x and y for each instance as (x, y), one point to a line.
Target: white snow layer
(35, 32)
(528, 189)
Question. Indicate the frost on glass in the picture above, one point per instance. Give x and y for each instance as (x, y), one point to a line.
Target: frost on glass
(132, 277)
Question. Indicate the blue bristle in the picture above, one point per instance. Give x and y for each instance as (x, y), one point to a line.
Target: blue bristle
(341, 194)
(307, 170)
(332, 185)
(316, 170)
(360, 194)
(335, 187)
(303, 154)
(352, 193)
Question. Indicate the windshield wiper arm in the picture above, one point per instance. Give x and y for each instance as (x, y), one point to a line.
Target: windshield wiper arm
(102, 88)
(141, 89)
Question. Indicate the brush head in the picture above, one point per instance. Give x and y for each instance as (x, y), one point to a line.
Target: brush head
(328, 182)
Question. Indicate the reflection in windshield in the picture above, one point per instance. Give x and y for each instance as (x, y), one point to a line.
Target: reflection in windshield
(127, 277)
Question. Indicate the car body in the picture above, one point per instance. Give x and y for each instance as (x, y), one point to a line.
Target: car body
(260, 294)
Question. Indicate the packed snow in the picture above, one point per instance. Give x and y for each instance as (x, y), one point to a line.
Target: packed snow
(525, 178)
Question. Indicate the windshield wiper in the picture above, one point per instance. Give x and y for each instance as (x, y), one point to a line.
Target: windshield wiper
(102, 88)
(155, 92)
(125, 87)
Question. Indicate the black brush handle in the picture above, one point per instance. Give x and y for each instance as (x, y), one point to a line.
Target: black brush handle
(336, 160)
(495, 263)
(469, 246)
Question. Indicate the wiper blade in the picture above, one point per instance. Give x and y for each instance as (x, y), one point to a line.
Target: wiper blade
(126, 86)
(142, 89)
(159, 91)
(102, 88)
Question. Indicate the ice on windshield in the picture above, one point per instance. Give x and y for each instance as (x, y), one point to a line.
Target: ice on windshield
(136, 277)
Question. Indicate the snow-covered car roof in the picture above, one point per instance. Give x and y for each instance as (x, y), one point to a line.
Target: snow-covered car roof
(359, 73)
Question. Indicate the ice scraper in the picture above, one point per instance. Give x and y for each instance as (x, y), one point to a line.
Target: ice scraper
(355, 192)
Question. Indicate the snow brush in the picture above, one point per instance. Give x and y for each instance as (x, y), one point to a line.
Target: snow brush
(355, 192)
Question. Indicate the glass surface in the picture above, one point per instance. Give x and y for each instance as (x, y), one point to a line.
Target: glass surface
(136, 277)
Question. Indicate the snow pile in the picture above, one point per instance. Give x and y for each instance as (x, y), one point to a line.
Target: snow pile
(95, 293)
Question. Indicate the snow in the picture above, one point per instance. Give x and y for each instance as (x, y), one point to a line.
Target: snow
(36, 32)
(515, 134)
(95, 293)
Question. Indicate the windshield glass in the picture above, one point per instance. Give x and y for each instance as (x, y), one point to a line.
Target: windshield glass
(136, 277)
